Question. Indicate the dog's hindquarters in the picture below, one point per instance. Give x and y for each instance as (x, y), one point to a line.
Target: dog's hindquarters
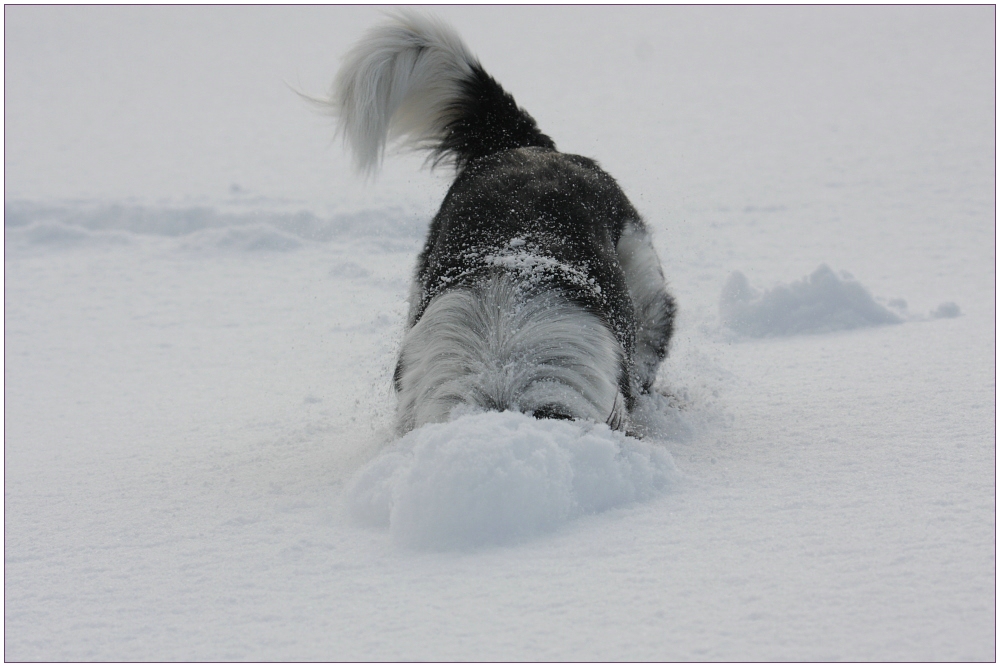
(596, 326)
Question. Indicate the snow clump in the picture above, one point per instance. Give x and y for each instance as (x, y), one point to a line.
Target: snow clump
(499, 477)
(820, 303)
(947, 309)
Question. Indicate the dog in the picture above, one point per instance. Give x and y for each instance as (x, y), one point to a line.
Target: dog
(538, 288)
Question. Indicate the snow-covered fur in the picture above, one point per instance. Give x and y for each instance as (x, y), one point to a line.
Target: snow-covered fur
(538, 288)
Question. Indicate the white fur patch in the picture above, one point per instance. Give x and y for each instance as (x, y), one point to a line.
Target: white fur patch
(653, 307)
(493, 348)
(400, 80)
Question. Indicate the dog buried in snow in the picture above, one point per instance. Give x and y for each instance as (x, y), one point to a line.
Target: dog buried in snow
(538, 288)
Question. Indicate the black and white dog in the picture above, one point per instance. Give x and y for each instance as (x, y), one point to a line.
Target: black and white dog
(538, 289)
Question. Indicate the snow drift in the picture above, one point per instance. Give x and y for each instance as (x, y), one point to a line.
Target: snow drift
(498, 477)
(262, 226)
(820, 303)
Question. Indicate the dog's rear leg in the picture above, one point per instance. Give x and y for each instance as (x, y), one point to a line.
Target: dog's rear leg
(654, 307)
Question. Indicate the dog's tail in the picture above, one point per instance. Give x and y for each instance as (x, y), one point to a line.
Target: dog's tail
(413, 78)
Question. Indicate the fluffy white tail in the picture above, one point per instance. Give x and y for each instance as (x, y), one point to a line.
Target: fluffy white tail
(399, 80)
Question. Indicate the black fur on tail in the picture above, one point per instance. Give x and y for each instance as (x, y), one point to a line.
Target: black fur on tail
(487, 120)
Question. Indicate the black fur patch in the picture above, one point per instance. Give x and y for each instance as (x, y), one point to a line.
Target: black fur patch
(488, 121)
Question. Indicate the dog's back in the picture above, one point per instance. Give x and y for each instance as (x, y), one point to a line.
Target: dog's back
(538, 288)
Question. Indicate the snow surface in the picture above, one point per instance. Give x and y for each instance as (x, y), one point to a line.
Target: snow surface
(203, 304)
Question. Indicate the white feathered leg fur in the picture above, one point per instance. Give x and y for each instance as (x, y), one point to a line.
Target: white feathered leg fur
(654, 307)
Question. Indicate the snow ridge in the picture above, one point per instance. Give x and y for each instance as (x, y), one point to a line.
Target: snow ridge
(259, 228)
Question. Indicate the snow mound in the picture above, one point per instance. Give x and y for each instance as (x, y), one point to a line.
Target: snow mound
(498, 477)
(947, 309)
(820, 303)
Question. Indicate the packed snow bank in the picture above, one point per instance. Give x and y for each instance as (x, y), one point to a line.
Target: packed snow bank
(820, 303)
(497, 477)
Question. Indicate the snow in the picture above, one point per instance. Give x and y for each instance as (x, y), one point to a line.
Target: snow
(495, 478)
(820, 303)
(203, 305)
